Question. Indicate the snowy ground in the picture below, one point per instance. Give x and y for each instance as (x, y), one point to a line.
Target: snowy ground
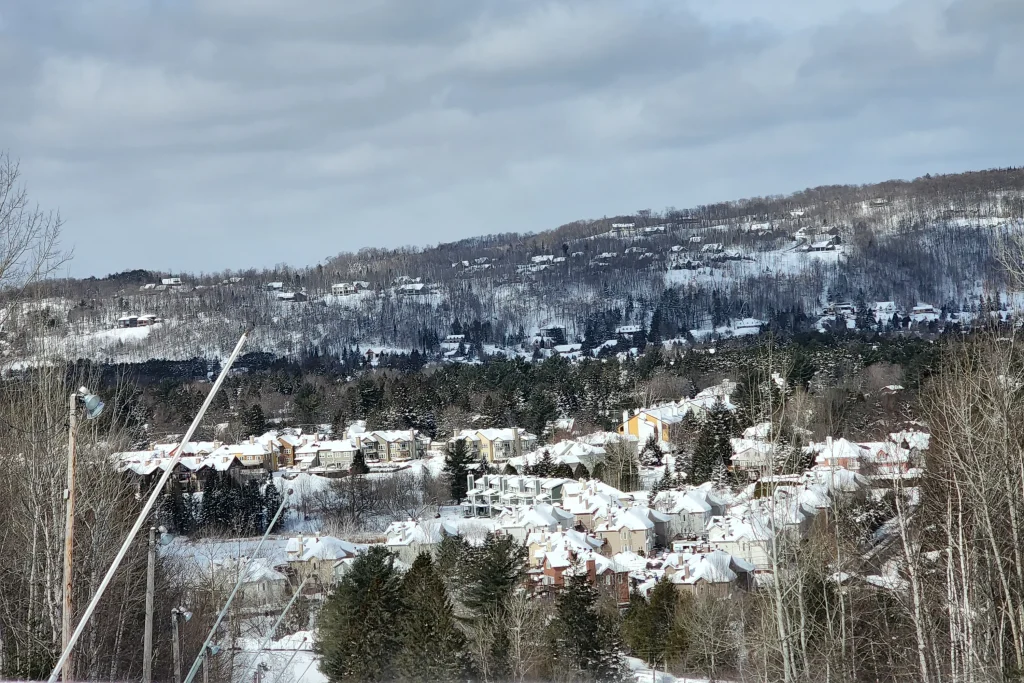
(289, 660)
(643, 674)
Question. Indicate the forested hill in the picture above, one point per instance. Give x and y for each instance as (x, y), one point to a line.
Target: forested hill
(693, 273)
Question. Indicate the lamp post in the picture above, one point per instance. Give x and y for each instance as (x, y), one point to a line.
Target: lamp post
(93, 407)
(175, 643)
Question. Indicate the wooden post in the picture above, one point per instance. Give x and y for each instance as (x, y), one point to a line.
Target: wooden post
(69, 536)
(175, 647)
(147, 645)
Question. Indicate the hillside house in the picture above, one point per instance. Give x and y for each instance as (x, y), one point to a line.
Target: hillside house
(343, 289)
(496, 445)
(389, 445)
(552, 561)
(521, 521)
(626, 530)
(717, 573)
(274, 286)
(656, 421)
(292, 297)
(128, 321)
(412, 289)
(712, 248)
(171, 282)
(410, 538)
(487, 496)
(316, 556)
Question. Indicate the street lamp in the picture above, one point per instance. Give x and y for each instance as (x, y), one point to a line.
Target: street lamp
(92, 406)
(176, 613)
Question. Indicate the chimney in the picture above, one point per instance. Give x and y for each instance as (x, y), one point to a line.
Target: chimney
(469, 482)
(517, 448)
(625, 416)
(301, 546)
(592, 571)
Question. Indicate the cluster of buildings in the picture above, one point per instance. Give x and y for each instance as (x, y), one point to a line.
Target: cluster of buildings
(287, 450)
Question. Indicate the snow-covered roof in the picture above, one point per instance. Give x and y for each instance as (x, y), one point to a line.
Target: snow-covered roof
(326, 548)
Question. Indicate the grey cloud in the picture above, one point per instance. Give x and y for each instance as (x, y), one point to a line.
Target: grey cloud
(216, 133)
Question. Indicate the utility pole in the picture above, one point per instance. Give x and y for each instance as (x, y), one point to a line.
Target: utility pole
(69, 535)
(147, 645)
(206, 673)
(175, 647)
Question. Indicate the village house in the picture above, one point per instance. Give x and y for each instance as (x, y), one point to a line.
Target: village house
(626, 530)
(521, 521)
(556, 556)
(488, 495)
(292, 297)
(410, 538)
(315, 557)
(717, 574)
(390, 445)
(496, 445)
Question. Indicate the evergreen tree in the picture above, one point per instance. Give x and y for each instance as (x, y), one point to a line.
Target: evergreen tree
(563, 471)
(358, 465)
(651, 454)
(545, 465)
(456, 468)
(667, 482)
(491, 572)
(254, 423)
(448, 558)
(433, 645)
(713, 451)
(648, 625)
(584, 640)
(358, 632)
(271, 501)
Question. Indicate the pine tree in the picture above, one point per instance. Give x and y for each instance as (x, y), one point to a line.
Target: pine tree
(545, 465)
(584, 641)
(271, 501)
(456, 468)
(254, 422)
(490, 574)
(358, 465)
(358, 632)
(667, 482)
(648, 624)
(433, 645)
(651, 454)
(713, 451)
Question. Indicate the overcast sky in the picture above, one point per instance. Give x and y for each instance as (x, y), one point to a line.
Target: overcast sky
(202, 135)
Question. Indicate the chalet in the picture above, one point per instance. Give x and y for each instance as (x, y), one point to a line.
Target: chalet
(315, 557)
(128, 321)
(823, 245)
(408, 539)
(412, 289)
(628, 530)
(343, 289)
(712, 248)
(716, 574)
(628, 332)
(274, 286)
(292, 297)
(171, 282)
(543, 258)
(147, 319)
